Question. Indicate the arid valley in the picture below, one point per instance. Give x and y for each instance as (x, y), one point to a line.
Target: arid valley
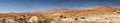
(100, 14)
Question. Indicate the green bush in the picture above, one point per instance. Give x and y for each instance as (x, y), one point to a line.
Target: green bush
(40, 21)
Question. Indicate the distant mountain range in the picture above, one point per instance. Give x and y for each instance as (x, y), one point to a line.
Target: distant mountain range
(96, 10)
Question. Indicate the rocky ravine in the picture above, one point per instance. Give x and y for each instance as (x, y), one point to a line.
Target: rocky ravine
(102, 14)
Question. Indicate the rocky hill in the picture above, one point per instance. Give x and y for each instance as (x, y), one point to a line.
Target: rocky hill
(100, 14)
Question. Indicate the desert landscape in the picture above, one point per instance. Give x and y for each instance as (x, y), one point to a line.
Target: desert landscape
(59, 11)
(99, 14)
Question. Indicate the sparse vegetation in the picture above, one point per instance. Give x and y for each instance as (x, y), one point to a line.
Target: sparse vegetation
(40, 21)
(82, 18)
(74, 16)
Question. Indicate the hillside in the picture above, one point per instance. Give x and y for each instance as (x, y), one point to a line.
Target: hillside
(95, 15)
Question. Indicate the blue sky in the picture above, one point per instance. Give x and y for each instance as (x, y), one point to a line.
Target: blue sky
(41, 5)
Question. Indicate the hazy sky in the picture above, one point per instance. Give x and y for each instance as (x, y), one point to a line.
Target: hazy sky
(41, 5)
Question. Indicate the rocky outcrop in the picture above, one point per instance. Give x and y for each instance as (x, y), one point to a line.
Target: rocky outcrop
(33, 19)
